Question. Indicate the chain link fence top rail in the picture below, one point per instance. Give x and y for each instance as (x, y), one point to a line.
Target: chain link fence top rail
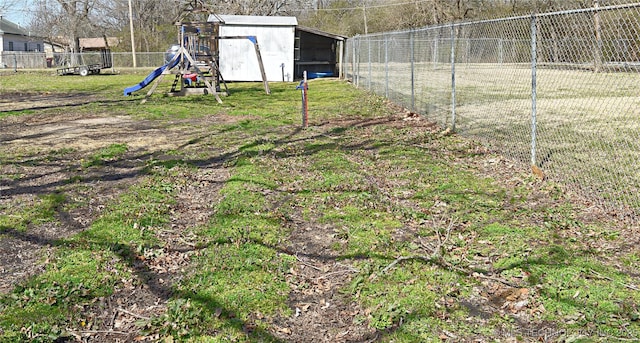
(41, 60)
(557, 90)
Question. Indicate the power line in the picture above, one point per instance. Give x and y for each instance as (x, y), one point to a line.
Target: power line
(360, 7)
(15, 10)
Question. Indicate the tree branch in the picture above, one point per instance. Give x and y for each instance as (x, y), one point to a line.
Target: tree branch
(436, 257)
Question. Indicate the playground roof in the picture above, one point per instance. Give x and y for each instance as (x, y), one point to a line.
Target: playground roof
(11, 28)
(248, 20)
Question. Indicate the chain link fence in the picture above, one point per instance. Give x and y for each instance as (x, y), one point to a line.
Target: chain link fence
(557, 91)
(19, 60)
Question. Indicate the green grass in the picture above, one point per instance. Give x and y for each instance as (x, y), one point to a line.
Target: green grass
(39, 82)
(234, 282)
(423, 229)
(85, 267)
(19, 217)
(106, 154)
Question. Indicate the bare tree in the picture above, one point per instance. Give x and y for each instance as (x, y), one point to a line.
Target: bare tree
(72, 19)
(77, 13)
(64, 18)
(10, 9)
(7, 5)
(154, 23)
(260, 7)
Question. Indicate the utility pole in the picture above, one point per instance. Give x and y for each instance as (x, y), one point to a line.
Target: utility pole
(133, 43)
(364, 14)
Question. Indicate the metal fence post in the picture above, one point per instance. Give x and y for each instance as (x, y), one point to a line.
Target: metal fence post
(435, 51)
(386, 66)
(534, 62)
(453, 78)
(369, 53)
(356, 63)
(413, 78)
(353, 63)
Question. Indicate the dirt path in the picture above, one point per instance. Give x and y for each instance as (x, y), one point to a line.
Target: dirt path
(45, 155)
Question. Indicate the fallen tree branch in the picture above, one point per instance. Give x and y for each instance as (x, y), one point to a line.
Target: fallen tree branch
(90, 332)
(84, 333)
(132, 314)
(336, 272)
(604, 277)
(623, 339)
(437, 258)
(308, 264)
(355, 270)
(436, 252)
(404, 258)
(496, 279)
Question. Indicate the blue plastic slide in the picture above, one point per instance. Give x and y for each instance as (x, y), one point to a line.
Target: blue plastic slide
(154, 74)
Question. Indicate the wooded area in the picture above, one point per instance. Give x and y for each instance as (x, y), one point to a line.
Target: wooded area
(153, 20)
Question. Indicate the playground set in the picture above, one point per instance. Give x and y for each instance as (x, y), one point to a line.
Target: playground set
(194, 63)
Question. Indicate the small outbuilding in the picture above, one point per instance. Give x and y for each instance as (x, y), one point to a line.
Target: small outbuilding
(98, 43)
(287, 50)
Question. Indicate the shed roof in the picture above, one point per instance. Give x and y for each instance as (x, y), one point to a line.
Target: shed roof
(11, 28)
(253, 20)
(320, 33)
(98, 43)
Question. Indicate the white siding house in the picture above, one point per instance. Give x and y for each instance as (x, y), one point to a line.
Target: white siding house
(14, 40)
(275, 37)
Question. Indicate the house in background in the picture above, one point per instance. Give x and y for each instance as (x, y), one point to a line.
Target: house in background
(16, 40)
(287, 50)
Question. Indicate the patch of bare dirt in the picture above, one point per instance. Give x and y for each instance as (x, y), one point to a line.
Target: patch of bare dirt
(43, 154)
(29, 100)
(321, 312)
(117, 317)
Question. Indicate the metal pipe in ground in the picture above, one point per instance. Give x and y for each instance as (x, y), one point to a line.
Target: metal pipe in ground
(303, 86)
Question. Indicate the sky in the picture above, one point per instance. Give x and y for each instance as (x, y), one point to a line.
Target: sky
(19, 13)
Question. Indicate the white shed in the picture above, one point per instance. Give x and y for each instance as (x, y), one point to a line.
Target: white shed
(275, 37)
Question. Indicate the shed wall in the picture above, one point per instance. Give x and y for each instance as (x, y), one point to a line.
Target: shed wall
(238, 61)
